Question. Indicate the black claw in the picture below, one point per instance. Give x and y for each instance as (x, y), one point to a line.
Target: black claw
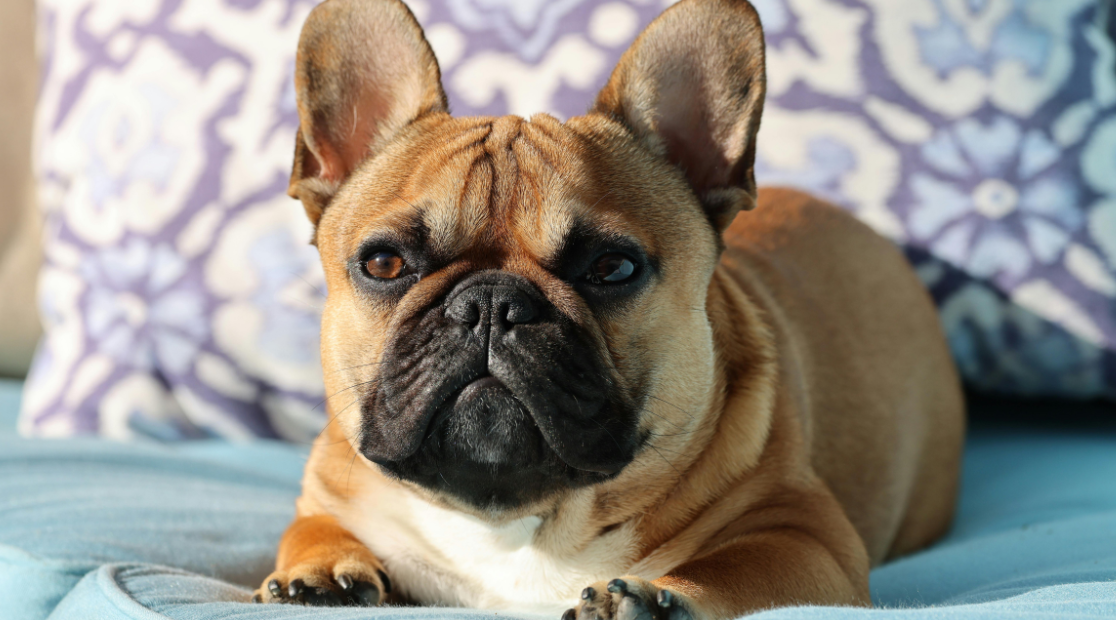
(665, 598)
(256, 598)
(365, 594)
(345, 581)
(678, 612)
(570, 614)
(322, 597)
(631, 606)
(385, 581)
(588, 594)
(617, 586)
(275, 589)
(295, 588)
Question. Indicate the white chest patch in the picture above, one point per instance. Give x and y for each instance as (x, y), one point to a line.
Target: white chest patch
(444, 557)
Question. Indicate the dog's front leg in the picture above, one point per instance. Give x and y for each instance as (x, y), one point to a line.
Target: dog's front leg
(797, 548)
(322, 563)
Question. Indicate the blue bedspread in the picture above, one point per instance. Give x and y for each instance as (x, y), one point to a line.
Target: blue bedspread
(95, 530)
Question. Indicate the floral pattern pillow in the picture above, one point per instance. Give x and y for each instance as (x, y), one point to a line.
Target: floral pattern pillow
(181, 299)
(980, 134)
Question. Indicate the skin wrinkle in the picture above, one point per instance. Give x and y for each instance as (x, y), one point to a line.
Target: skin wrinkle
(454, 225)
(499, 163)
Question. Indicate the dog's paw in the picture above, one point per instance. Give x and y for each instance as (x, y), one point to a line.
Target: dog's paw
(346, 583)
(629, 598)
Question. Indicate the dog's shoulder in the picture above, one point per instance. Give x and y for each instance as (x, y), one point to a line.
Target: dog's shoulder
(791, 220)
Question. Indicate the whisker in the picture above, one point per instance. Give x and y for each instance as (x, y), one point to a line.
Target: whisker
(311, 285)
(355, 401)
(578, 403)
(338, 392)
(335, 415)
(664, 418)
(603, 196)
(352, 462)
(333, 372)
(665, 460)
(680, 434)
(403, 199)
(668, 451)
(666, 402)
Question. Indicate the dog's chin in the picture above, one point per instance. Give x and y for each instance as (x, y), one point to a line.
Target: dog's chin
(484, 450)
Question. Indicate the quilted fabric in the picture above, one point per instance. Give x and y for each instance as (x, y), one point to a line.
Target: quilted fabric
(104, 530)
(181, 300)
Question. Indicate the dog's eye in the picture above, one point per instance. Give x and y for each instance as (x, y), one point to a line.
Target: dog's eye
(385, 265)
(611, 269)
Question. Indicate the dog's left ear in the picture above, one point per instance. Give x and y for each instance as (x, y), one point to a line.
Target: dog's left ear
(691, 88)
(364, 71)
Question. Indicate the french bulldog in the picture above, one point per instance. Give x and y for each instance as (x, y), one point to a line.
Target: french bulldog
(586, 365)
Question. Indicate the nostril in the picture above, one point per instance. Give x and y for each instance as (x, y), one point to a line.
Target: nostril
(514, 306)
(464, 310)
(520, 310)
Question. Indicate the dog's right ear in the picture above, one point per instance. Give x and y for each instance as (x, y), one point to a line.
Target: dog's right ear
(364, 71)
(691, 88)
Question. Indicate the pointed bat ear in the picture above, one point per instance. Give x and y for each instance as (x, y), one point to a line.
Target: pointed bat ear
(364, 70)
(691, 88)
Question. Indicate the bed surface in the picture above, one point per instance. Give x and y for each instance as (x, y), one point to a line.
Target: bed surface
(96, 530)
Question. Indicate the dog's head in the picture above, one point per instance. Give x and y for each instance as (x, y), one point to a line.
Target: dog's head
(516, 307)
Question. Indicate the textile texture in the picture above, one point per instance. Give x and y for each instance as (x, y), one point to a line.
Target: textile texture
(181, 300)
(91, 529)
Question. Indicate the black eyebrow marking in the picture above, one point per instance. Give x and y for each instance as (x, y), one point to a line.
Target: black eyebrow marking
(584, 242)
(412, 235)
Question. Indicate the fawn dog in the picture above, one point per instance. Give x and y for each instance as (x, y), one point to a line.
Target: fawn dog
(587, 364)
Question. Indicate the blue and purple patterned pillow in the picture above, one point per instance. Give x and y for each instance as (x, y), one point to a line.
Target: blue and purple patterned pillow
(981, 135)
(181, 299)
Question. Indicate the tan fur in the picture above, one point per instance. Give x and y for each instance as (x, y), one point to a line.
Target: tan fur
(804, 415)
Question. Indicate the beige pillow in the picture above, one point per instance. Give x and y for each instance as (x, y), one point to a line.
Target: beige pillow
(19, 219)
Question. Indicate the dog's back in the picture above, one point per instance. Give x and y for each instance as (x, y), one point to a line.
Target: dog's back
(863, 363)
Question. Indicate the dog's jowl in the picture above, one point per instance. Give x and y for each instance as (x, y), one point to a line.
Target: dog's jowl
(586, 367)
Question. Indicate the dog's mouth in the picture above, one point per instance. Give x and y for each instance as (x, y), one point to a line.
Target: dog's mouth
(487, 382)
(476, 388)
(487, 409)
(485, 446)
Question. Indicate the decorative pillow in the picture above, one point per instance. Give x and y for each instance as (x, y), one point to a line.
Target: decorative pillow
(980, 134)
(180, 297)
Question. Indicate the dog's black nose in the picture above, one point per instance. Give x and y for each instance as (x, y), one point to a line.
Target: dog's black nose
(500, 304)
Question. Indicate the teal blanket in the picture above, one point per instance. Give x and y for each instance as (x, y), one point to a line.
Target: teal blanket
(94, 530)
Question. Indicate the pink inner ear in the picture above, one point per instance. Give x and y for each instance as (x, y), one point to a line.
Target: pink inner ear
(325, 164)
(347, 140)
(687, 127)
(364, 71)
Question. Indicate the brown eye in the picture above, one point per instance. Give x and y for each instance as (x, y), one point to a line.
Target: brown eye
(385, 265)
(612, 269)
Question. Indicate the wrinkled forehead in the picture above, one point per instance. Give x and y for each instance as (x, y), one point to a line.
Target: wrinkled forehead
(492, 188)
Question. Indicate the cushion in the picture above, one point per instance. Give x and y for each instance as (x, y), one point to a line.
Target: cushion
(982, 136)
(108, 530)
(19, 219)
(179, 294)
(181, 300)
